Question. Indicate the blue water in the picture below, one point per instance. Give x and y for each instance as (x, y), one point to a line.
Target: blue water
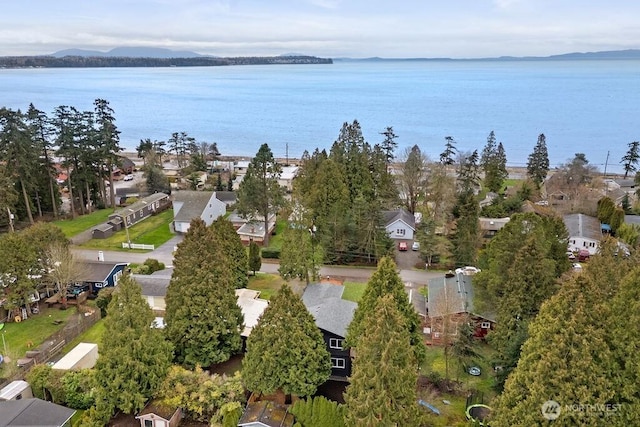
(581, 106)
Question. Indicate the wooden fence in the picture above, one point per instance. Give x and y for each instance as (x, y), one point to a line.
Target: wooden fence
(52, 346)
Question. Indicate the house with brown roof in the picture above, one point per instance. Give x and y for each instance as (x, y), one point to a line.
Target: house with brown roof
(156, 415)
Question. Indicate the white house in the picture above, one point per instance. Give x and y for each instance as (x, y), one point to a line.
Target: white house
(188, 205)
(287, 176)
(399, 224)
(584, 232)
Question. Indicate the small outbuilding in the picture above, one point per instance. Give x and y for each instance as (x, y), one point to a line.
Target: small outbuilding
(83, 356)
(16, 390)
(155, 415)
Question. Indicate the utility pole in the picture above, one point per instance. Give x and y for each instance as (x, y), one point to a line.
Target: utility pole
(606, 162)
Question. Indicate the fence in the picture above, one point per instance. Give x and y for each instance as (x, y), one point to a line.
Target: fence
(53, 345)
(126, 245)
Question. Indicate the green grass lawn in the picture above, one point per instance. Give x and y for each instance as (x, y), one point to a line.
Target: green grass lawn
(92, 335)
(71, 227)
(353, 291)
(267, 284)
(275, 241)
(152, 231)
(30, 333)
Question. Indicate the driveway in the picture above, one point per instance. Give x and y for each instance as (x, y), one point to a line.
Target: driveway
(407, 260)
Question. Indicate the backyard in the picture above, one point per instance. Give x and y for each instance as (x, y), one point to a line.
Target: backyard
(71, 227)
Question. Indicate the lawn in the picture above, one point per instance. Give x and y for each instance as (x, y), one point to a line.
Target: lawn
(152, 231)
(30, 333)
(71, 227)
(267, 284)
(92, 335)
(353, 291)
(454, 412)
(275, 241)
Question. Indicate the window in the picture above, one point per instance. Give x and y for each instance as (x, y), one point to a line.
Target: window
(116, 277)
(335, 343)
(338, 363)
(148, 423)
(400, 231)
(485, 325)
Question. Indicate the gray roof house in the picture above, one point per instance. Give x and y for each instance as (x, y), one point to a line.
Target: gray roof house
(585, 232)
(188, 205)
(332, 315)
(400, 224)
(154, 289)
(34, 413)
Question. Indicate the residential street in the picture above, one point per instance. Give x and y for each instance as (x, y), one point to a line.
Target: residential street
(164, 254)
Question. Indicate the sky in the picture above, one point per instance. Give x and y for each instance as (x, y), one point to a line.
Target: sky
(326, 28)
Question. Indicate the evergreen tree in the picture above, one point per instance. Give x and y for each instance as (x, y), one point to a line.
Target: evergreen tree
(538, 162)
(260, 194)
(384, 281)
(285, 350)
(156, 180)
(630, 159)
(382, 389)
(203, 319)
(468, 172)
(318, 412)
(467, 234)
(108, 140)
(134, 357)
(447, 157)
(255, 260)
(234, 250)
(389, 144)
(296, 255)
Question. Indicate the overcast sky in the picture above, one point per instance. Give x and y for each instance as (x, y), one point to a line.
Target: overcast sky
(328, 28)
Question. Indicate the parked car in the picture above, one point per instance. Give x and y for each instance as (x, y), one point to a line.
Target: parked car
(128, 177)
(74, 291)
(583, 255)
(402, 246)
(415, 246)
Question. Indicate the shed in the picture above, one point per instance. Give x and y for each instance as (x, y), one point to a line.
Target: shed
(83, 356)
(102, 231)
(16, 390)
(155, 415)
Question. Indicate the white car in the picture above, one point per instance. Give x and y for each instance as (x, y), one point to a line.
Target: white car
(468, 270)
(415, 246)
(128, 177)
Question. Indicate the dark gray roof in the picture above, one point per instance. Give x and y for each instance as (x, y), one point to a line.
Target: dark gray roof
(194, 203)
(452, 295)
(99, 271)
(580, 225)
(226, 196)
(399, 214)
(332, 313)
(33, 413)
(153, 286)
(103, 227)
(141, 203)
(628, 183)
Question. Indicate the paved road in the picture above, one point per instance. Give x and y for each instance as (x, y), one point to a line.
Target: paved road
(164, 254)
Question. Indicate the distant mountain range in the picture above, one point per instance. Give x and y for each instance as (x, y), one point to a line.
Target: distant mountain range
(610, 54)
(153, 52)
(129, 52)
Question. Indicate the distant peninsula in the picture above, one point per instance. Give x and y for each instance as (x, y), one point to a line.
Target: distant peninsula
(146, 57)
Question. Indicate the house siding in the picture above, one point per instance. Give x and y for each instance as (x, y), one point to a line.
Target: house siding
(400, 230)
(337, 354)
(111, 279)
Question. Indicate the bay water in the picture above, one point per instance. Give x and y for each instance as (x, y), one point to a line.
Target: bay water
(587, 106)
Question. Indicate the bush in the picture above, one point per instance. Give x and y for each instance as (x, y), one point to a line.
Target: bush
(77, 387)
(103, 300)
(318, 412)
(271, 253)
(153, 265)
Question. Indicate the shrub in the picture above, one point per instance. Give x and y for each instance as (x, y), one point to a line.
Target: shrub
(77, 387)
(318, 412)
(153, 265)
(103, 300)
(271, 253)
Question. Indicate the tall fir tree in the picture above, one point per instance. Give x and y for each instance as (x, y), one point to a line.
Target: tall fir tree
(447, 157)
(134, 357)
(260, 194)
(203, 319)
(630, 159)
(382, 389)
(234, 250)
(255, 260)
(286, 351)
(386, 281)
(538, 161)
